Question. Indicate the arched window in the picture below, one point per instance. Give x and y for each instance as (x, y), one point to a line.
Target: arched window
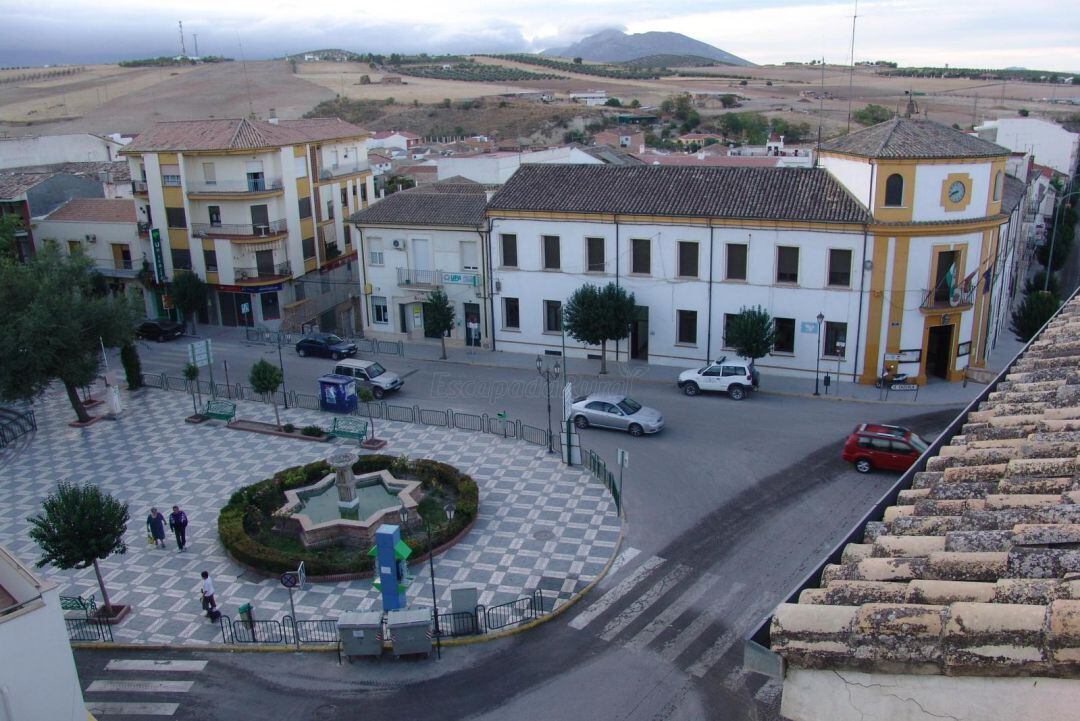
(998, 179)
(894, 190)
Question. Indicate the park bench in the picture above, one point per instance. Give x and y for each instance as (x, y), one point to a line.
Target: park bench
(348, 427)
(221, 410)
(85, 606)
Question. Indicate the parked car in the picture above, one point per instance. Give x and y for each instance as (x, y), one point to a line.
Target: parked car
(876, 445)
(734, 376)
(159, 330)
(371, 375)
(326, 345)
(606, 410)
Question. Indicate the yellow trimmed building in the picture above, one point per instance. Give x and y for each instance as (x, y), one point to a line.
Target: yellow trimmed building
(257, 209)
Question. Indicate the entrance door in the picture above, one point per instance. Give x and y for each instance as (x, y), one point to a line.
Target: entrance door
(420, 257)
(215, 215)
(228, 308)
(260, 220)
(264, 262)
(639, 333)
(938, 347)
(404, 313)
(472, 324)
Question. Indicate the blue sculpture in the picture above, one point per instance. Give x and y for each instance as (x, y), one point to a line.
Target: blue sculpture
(391, 566)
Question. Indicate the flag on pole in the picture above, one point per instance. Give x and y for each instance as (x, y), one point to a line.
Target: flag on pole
(950, 278)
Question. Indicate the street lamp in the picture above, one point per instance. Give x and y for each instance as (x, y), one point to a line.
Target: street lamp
(548, 374)
(448, 509)
(1053, 237)
(281, 367)
(817, 352)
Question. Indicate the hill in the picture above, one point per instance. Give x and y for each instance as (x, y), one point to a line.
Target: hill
(671, 61)
(617, 46)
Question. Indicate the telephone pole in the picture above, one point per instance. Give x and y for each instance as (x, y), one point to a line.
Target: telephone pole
(196, 36)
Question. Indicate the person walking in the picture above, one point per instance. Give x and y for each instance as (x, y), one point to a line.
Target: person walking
(208, 603)
(178, 523)
(155, 526)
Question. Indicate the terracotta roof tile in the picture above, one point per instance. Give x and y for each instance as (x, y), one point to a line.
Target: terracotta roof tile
(453, 204)
(238, 134)
(912, 138)
(975, 571)
(96, 210)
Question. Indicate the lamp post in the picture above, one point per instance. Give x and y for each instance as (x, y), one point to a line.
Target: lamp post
(1053, 237)
(548, 374)
(448, 509)
(281, 367)
(817, 352)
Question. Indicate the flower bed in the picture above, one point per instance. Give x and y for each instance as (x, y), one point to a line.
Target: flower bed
(246, 523)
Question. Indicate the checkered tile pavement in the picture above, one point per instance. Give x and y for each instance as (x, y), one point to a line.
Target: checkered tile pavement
(540, 525)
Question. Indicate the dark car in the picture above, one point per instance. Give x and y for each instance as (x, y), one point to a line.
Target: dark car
(326, 345)
(159, 330)
(876, 445)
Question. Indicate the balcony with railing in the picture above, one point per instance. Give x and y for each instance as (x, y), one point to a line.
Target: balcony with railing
(262, 274)
(336, 170)
(942, 299)
(215, 188)
(240, 232)
(119, 268)
(412, 278)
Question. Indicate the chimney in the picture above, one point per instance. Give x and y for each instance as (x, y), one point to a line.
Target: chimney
(273, 119)
(701, 155)
(488, 195)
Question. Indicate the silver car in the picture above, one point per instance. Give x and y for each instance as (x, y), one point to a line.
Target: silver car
(606, 410)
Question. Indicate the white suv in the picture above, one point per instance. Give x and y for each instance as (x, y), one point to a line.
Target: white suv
(734, 376)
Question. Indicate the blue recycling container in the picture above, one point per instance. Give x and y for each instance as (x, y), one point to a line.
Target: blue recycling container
(337, 394)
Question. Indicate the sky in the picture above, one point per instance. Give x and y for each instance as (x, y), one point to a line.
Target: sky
(1042, 34)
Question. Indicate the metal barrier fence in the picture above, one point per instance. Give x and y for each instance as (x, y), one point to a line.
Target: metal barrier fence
(598, 467)
(514, 612)
(462, 623)
(14, 423)
(363, 345)
(88, 630)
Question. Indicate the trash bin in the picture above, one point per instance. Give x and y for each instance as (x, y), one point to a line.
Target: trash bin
(409, 630)
(337, 393)
(361, 633)
(247, 616)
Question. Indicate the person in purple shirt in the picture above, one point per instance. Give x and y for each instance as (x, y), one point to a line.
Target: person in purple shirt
(178, 523)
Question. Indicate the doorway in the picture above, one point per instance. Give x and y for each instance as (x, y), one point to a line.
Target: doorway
(472, 324)
(639, 333)
(260, 220)
(236, 309)
(264, 263)
(938, 351)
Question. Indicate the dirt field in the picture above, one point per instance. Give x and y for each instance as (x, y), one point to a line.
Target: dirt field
(344, 79)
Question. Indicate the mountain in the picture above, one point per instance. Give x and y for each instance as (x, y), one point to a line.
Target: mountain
(617, 46)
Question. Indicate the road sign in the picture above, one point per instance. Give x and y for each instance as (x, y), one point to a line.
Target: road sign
(808, 326)
(289, 579)
(623, 458)
(200, 353)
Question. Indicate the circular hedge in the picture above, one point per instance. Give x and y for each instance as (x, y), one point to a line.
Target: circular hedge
(246, 523)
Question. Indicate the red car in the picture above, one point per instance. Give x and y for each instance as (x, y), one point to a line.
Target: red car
(876, 445)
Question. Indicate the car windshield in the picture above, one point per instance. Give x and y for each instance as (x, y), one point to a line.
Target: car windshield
(918, 443)
(629, 406)
(332, 339)
(375, 370)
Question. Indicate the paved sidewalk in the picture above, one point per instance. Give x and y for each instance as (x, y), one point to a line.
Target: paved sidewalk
(540, 525)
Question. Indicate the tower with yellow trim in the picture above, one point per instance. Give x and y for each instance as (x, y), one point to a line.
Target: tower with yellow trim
(936, 242)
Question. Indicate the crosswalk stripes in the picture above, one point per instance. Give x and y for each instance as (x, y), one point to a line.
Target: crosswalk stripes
(677, 608)
(138, 692)
(610, 598)
(643, 602)
(627, 555)
(723, 643)
(675, 647)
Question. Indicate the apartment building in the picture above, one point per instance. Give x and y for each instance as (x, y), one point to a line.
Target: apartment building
(417, 240)
(894, 242)
(257, 209)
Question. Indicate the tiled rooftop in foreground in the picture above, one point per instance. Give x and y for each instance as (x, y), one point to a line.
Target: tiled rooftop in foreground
(976, 571)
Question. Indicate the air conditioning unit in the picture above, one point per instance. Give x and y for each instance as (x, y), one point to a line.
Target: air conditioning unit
(397, 244)
(91, 238)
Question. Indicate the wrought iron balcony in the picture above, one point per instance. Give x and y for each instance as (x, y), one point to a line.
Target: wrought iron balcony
(119, 268)
(234, 187)
(411, 278)
(232, 230)
(276, 271)
(941, 299)
(338, 169)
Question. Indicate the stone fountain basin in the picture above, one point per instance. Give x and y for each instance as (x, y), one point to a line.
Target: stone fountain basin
(315, 532)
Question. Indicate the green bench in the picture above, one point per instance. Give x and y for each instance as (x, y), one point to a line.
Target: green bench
(78, 603)
(221, 410)
(348, 427)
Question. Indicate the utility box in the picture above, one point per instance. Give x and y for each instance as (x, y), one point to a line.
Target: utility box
(464, 599)
(337, 393)
(410, 631)
(361, 633)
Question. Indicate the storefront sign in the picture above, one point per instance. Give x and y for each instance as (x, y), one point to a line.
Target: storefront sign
(159, 261)
(905, 356)
(460, 279)
(250, 289)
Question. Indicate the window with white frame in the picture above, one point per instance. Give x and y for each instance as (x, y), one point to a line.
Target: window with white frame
(470, 257)
(509, 250)
(688, 259)
(840, 267)
(209, 174)
(552, 316)
(835, 339)
(551, 252)
(170, 175)
(380, 313)
(511, 313)
(375, 251)
(686, 327)
(736, 261)
(300, 167)
(787, 264)
(594, 248)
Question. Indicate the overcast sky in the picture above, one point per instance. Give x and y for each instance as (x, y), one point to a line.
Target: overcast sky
(1041, 34)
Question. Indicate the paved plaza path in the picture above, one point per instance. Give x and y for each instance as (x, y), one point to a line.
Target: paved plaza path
(540, 525)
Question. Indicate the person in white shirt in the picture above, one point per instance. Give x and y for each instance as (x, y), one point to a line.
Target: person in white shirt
(208, 593)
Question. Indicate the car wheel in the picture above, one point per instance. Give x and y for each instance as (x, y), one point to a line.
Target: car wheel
(737, 393)
(301, 352)
(636, 430)
(581, 422)
(863, 465)
(338, 356)
(691, 389)
(377, 393)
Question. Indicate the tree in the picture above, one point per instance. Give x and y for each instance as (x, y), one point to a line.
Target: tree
(191, 375)
(438, 316)
(129, 358)
(872, 115)
(1023, 112)
(9, 246)
(613, 103)
(577, 61)
(365, 396)
(266, 378)
(1032, 314)
(60, 327)
(596, 315)
(1036, 283)
(188, 293)
(635, 103)
(751, 333)
(78, 526)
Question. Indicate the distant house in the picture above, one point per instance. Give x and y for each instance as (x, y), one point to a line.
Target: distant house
(27, 150)
(496, 168)
(632, 139)
(29, 195)
(402, 139)
(1053, 145)
(380, 162)
(590, 97)
(698, 139)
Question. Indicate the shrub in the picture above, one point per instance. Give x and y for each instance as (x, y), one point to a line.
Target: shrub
(313, 431)
(288, 428)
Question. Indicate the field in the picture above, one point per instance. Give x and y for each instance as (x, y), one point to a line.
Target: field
(107, 98)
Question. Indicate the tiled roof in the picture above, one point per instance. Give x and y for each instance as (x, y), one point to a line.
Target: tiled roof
(119, 171)
(383, 134)
(912, 138)
(1013, 194)
(976, 570)
(718, 161)
(454, 204)
(806, 194)
(238, 134)
(12, 185)
(96, 210)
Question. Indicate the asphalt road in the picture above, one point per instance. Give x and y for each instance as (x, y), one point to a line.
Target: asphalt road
(726, 510)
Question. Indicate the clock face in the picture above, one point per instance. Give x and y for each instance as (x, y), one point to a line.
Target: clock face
(956, 191)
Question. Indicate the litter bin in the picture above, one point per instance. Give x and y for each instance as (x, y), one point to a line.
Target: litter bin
(409, 630)
(248, 619)
(361, 633)
(337, 393)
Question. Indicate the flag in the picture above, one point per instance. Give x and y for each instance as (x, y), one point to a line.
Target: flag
(950, 278)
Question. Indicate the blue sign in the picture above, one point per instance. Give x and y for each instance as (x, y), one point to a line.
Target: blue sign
(265, 288)
(808, 326)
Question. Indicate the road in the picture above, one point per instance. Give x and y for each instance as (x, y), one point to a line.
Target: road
(726, 510)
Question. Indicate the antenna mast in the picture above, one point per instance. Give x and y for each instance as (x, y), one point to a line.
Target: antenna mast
(183, 50)
(196, 36)
(851, 76)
